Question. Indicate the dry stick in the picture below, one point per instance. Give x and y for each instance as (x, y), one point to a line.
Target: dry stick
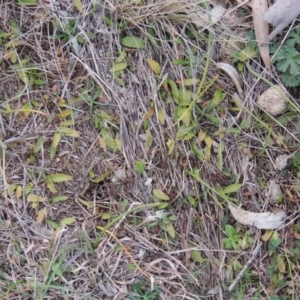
(249, 262)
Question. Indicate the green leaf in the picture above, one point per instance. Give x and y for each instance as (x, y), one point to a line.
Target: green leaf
(139, 166)
(28, 188)
(23, 76)
(190, 81)
(38, 145)
(230, 231)
(232, 188)
(41, 215)
(220, 156)
(52, 224)
(178, 62)
(88, 204)
(58, 177)
(27, 2)
(184, 114)
(108, 21)
(185, 96)
(162, 205)
(118, 67)
(208, 142)
(290, 80)
(105, 216)
(161, 117)
(109, 141)
(280, 264)
(68, 131)
(131, 267)
(171, 146)
(133, 42)
(245, 54)
(170, 230)
(183, 131)
(78, 5)
(67, 221)
(59, 198)
(33, 198)
(54, 144)
(192, 200)
(293, 37)
(101, 177)
(196, 256)
(38, 81)
(51, 186)
(174, 89)
(67, 123)
(155, 66)
(149, 139)
(160, 195)
(288, 60)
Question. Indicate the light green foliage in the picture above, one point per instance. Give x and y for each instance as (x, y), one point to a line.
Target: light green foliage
(140, 293)
(235, 239)
(287, 59)
(70, 33)
(164, 221)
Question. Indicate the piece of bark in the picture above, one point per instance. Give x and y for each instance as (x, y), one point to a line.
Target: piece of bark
(281, 14)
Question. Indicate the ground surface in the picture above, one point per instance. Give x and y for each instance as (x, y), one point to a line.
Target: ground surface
(123, 143)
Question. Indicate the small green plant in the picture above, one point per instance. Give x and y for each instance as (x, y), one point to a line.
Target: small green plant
(70, 33)
(296, 160)
(236, 239)
(142, 294)
(287, 59)
(164, 221)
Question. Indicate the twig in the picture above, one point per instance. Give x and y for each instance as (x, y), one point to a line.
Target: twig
(249, 262)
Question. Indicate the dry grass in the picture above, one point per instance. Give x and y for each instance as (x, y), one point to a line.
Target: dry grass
(44, 260)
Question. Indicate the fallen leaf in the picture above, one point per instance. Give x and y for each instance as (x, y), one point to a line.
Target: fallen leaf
(217, 13)
(101, 177)
(265, 220)
(280, 264)
(148, 114)
(133, 42)
(160, 195)
(155, 66)
(59, 198)
(102, 143)
(267, 235)
(118, 67)
(170, 229)
(232, 188)
(234, 75)
(67, 221)
(149, 139)
(68, 131)
(261, 28)
(41, 215)
(281, 162)
(273, 192)
(35, 198)
(58, 177)
(78, 5)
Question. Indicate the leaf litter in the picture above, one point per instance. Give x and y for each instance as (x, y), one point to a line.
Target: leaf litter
(167, 107)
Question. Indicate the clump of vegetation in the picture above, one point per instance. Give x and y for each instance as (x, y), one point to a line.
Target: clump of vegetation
(287, 59)
(126, 129)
